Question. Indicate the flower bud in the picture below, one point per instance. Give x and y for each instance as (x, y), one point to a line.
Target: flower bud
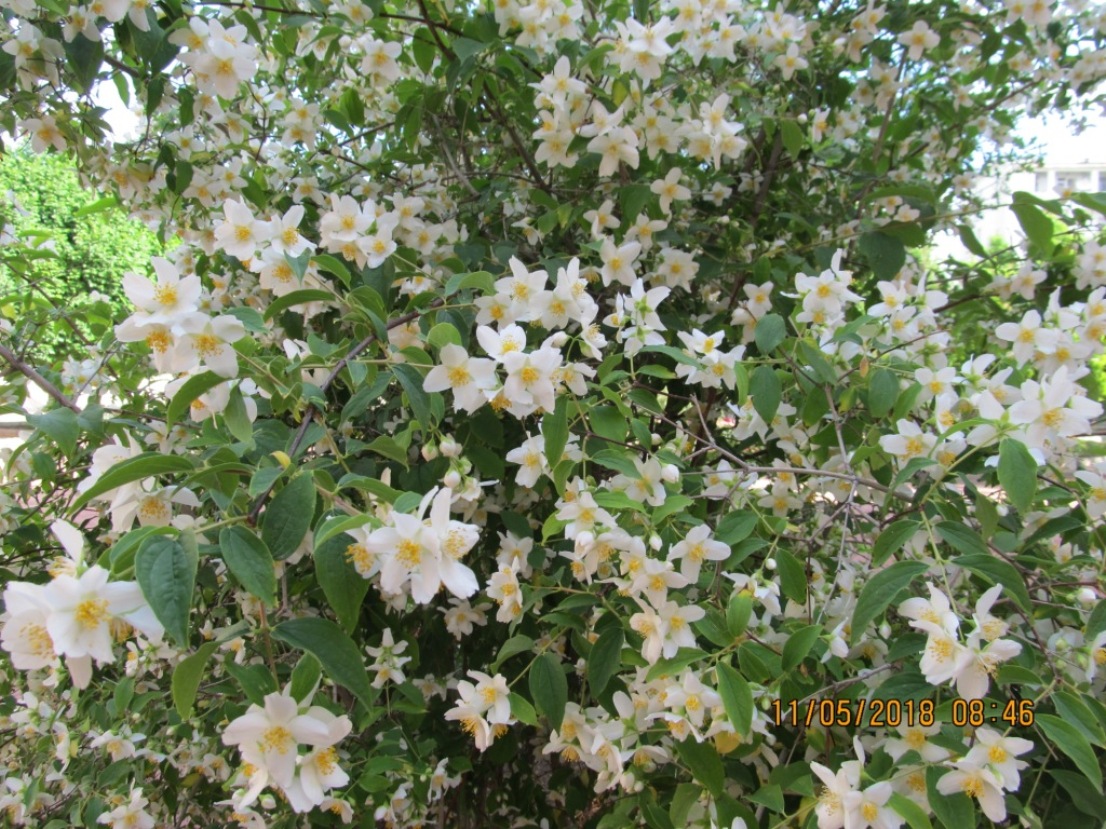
(670, 473)
(1086, 595)
(769, 564)
(655, 543)
(429, 451)
(449, 447)
(452, 479)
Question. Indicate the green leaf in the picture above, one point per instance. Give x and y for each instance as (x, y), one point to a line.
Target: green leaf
(607, 422)
(466, 48)
(549, 688)
(1072, 709)
(1084, 796)
(892, 539)
(764, 387)
(1096, 622)
(770, 796)
(288, 516)
(411, 381)
(305, 676)
(962, 538)
(793, 580)
(605, 658)
(997, 571)
(443, 334)
(255, 680)
(736, 527)
(522, 710)
(632, 199)
(816, 360)
(971, 241)
(166, 572)
(192, 388)
(1071, 741)
(955, 811)
(554, 428)
(236, 417)
(1017, 472)
(61, 426)
(879, 591)
(771, 330)
(146, 465)
(704, 763)
(1037, 227)
(336, 652)
(798, 645)
(737, 698)
(387, 447)
(793, 138)
(519, 643)
(883, 391)
(343, 586)
(675, 664)
(335, 266)
(885, 254)
(303, 297)
(911, 812)
(186, 678)
(337, 524)
(98, 206)
(84, 57)
(738, 611)
(617, 460)
(250, 562)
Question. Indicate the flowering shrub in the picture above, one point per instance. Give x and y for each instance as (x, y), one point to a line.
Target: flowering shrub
(550, 416)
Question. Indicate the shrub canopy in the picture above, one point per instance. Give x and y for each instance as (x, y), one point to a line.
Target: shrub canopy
(552, 416)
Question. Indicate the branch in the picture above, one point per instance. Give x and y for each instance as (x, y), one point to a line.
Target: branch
(37, 379)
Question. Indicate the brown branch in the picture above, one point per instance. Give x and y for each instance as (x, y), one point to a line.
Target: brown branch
(37, 379)
(527, 158)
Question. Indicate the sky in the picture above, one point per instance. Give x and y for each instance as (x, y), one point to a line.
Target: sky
(1062, 145)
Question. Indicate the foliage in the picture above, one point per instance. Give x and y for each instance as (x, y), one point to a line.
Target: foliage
(547, 420)
(91, 250)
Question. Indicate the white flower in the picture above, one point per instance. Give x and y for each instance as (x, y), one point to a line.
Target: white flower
(910, 442)
(132, 815)
(919, 39)
(1027, 336)
(82, 612)
(1054, 407)
(469, 378)
(697, 547)
(979, 783)
(165, 301)
(999, 753)
(269, 737)
(936, 610)
(426, 554)
(207, 341)
(240, 235)
(838, 788)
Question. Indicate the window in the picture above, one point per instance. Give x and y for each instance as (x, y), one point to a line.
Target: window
(1042, 182)
(1072, 180)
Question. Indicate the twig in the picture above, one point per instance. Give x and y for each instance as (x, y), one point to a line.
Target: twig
(37, 379)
